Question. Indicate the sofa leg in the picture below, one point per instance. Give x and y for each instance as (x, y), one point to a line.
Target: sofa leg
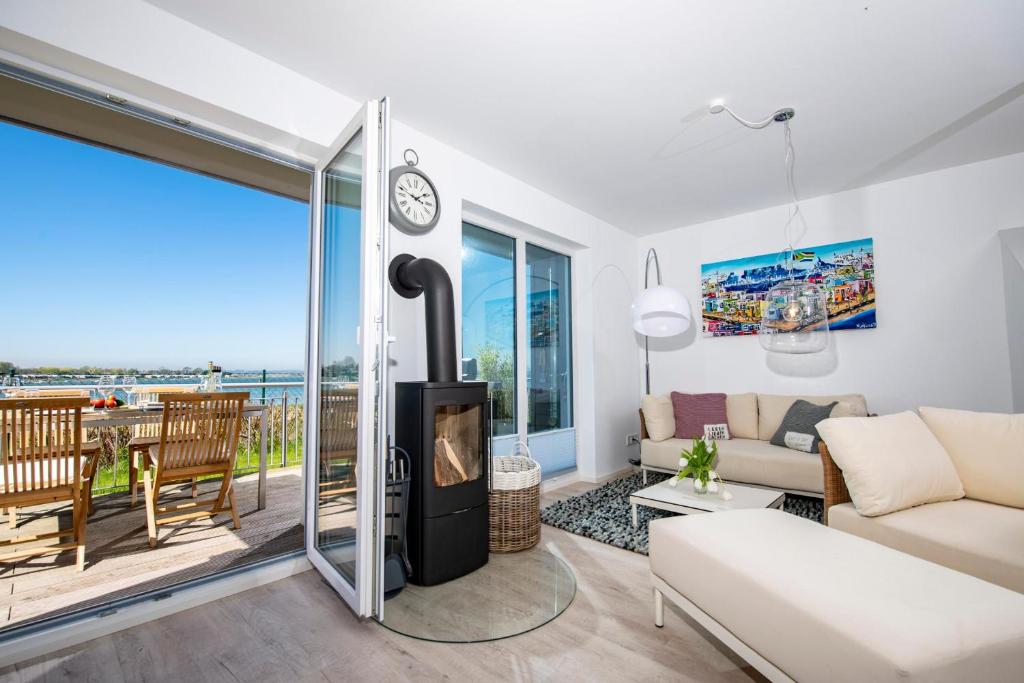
(659, 608)
(644, 475)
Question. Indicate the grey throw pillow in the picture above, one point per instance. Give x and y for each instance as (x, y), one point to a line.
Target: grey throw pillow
(798, 429)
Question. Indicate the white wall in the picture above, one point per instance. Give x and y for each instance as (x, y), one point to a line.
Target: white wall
(942, 334)
(135, 50)
(1013, 278)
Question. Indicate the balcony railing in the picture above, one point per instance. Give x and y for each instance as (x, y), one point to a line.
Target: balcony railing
(284, 414)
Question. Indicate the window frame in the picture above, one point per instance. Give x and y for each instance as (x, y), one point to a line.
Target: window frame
(544, 240)
(46, 634)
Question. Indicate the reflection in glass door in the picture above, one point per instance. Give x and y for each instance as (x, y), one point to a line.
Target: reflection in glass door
(489, 325)
(344, 373)
(549, 422)
(517, 335)
(340, 278)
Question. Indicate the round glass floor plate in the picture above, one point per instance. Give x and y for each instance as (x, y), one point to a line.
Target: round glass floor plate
(511, 594)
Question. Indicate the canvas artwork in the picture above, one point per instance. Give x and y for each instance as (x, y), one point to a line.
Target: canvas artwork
(734, 293)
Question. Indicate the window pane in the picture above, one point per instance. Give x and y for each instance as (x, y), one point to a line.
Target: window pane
(489, 320)
(340, 287)
(549, 362)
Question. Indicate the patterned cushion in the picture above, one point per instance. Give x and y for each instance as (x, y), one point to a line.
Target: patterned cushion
(693, 411)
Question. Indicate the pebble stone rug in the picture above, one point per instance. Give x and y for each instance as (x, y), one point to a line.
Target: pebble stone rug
(603, 514)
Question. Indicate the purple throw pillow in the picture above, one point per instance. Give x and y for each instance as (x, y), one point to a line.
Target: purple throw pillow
(693, 411)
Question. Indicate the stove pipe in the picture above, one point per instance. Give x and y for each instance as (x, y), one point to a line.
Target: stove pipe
(410, 277)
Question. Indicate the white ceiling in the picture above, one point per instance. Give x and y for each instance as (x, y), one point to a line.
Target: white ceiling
(602, 102)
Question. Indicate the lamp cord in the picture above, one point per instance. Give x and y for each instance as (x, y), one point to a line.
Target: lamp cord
(757, 125)
(792, 239)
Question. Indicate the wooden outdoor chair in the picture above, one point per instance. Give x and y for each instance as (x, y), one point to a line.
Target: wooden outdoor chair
(339, 417)
(90, 449)
(145, 436)
(198, 437)
(41, 462)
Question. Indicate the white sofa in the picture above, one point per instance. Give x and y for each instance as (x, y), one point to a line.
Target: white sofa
(748, 457)
(981, 533)
(802, 602)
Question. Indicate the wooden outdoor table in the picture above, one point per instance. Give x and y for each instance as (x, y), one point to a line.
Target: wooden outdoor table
(127, 416)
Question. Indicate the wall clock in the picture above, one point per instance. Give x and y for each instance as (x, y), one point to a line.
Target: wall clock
(414, 203)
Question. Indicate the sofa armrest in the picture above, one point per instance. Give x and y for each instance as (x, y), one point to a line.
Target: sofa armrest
(836, 492)
(643, 427)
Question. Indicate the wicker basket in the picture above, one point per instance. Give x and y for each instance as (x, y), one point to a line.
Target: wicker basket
(514, 503)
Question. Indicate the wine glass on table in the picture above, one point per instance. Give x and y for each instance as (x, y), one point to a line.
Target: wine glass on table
(105, 388)
(128, 384)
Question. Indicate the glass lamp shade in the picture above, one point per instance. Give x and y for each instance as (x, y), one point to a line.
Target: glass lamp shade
(794, 318)
(661, 312)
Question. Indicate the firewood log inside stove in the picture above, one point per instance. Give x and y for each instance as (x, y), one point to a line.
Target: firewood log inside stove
(448, 469)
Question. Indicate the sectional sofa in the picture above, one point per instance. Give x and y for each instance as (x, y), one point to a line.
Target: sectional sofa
(974, 524)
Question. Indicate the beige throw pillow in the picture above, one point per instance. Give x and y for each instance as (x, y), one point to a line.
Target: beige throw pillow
(891, 462)
(987, 450)
(741, 412)
(659, 417)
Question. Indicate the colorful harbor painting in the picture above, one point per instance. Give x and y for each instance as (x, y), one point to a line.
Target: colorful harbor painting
(733, 293)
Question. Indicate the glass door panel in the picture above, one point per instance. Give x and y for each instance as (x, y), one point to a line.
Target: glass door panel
(344, 374)
(489, 322)
(340, 278)
(549, 420)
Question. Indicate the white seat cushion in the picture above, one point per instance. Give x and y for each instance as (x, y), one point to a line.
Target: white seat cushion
(746, 461)
(822, 605)
(972, 536)
(891, 462)
(987, 450)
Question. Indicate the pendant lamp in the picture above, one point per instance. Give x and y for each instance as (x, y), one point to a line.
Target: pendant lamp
(794, 313)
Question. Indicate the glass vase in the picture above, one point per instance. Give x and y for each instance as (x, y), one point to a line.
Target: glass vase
(700, 486)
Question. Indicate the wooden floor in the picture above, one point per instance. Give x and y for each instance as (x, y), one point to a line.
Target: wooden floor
(119, 561)
(297, 630)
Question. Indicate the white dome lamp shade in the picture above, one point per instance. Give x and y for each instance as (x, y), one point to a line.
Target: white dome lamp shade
(661, 311)
(658, 311)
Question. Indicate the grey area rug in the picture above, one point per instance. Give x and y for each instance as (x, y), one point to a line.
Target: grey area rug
(603, 514)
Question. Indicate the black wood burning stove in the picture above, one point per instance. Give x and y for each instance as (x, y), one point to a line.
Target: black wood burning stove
(442, 424)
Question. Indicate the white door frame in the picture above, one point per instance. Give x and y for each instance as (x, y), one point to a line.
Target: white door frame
(366, 597)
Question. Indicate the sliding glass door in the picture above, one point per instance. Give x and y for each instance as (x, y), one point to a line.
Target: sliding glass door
(549, 423)
(345, 375)
(489, 325)
(517, 335)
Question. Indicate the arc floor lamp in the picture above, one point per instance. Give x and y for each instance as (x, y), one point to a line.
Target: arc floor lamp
(658, 311)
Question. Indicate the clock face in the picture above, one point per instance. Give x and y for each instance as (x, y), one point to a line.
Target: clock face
(415, 199)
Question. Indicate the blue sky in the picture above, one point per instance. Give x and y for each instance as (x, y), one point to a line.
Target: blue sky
(112, 260)
(824, 251)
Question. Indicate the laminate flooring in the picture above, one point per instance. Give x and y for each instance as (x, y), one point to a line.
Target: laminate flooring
(296, 629)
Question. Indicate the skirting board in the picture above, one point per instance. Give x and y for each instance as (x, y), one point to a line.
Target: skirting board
(795, 492)
(559, 481)
(89, 627)
(766, 668)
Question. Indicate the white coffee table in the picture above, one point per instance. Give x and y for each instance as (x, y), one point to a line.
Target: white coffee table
(683, 500)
